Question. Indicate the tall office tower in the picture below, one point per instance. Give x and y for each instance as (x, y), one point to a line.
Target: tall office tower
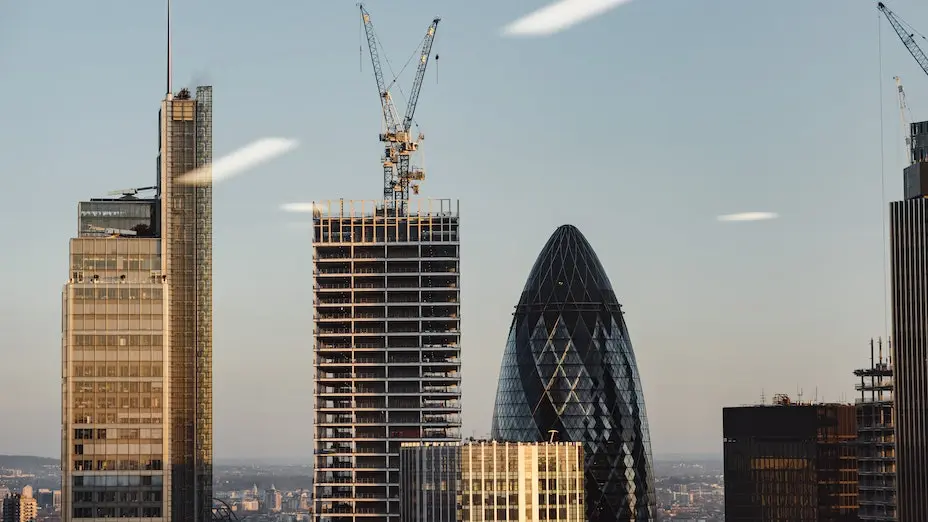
(790, 462)
(876, 448)
(20, 507)
(908, 237)
(186, 147)
(387, 347)
(490, 481)
(137, 339)
(569, 367)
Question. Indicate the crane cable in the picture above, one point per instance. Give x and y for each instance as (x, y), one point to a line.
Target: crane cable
(879, 32)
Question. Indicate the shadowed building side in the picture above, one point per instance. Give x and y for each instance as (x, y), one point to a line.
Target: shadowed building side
(569, 367)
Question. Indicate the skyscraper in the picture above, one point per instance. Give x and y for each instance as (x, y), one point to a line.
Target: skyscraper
(386, 298)
(137, 336)
(569, 367)
(908, 233)
(790, 462)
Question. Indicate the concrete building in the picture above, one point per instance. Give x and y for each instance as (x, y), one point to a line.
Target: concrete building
(20, 507)
(490, 481)
(876, 448)
(790, 462)
(908, 235)
(137, 338)
(387, 347)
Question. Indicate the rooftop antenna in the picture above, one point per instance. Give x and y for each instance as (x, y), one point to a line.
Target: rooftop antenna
(169, 48)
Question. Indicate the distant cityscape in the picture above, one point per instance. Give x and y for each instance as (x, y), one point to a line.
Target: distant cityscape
(689, 489)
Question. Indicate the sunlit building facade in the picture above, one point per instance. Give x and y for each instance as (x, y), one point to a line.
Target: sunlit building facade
(790, 462)
(386, 298)
(492, 481)
(137, 339)
(569, 367)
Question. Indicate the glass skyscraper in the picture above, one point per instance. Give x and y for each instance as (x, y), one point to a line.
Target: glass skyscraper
(137, 339)
(569, 367)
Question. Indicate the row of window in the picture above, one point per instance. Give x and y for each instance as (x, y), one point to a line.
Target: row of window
(118, 465)
(132, 417)
(114, 512)
(118, 496)
(115, 341)
(82, 402)
(97, 262)
(121, 369)
(110, 481)
(117, 433)
(120, 322)
(117, 387)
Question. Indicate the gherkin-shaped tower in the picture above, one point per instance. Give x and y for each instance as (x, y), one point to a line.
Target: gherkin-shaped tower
(569, 367)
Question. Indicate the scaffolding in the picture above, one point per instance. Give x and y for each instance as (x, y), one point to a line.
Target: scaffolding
(875, 437)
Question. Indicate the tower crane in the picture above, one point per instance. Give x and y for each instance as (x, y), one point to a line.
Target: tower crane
(905, 118)
(908, 38)
(399, 176)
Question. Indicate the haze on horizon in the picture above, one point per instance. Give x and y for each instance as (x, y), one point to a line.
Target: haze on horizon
(639, 126)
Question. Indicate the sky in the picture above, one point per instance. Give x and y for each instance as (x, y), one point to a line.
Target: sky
(639, 127)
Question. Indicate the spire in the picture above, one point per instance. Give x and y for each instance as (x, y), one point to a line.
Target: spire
(169, 48)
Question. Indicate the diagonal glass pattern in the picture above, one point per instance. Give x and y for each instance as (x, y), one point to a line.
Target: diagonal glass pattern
(569, 366)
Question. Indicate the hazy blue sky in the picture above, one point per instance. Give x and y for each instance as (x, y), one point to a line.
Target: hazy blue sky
(639, 127)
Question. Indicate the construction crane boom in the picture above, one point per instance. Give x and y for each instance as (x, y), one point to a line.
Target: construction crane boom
(399, 177)
(907, 38)
(389, 109)
(420, 74)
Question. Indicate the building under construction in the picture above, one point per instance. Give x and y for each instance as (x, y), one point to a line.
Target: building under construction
(386, 298)
(790, 462)
(876, 449)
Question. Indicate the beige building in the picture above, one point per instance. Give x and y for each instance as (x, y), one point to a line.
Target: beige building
(137, 338)
(489, 481)
(115, 368)
(20, 507)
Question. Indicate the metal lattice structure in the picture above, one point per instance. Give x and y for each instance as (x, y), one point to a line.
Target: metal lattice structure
(399, 176)
(222, 511)
(569, 366)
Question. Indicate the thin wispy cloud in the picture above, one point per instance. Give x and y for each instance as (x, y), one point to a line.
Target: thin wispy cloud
(558, 16)
(297, 207)
(748, 216)
(253, 154)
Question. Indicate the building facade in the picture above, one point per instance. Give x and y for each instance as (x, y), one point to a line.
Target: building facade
(490, 481)
(137, 339)
(876, 447)
(908, 226)
(386, 295)
(19, 507)
(569, 367)
(790, 462)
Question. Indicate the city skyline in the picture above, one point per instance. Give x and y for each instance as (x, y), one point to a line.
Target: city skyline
(673, 334)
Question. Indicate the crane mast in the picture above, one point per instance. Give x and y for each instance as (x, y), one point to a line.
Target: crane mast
(399, 176)
(903, 112)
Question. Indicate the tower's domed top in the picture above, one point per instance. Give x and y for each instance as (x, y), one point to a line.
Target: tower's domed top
(567, 271)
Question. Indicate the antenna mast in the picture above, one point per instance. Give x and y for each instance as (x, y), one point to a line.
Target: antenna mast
(169, 49)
